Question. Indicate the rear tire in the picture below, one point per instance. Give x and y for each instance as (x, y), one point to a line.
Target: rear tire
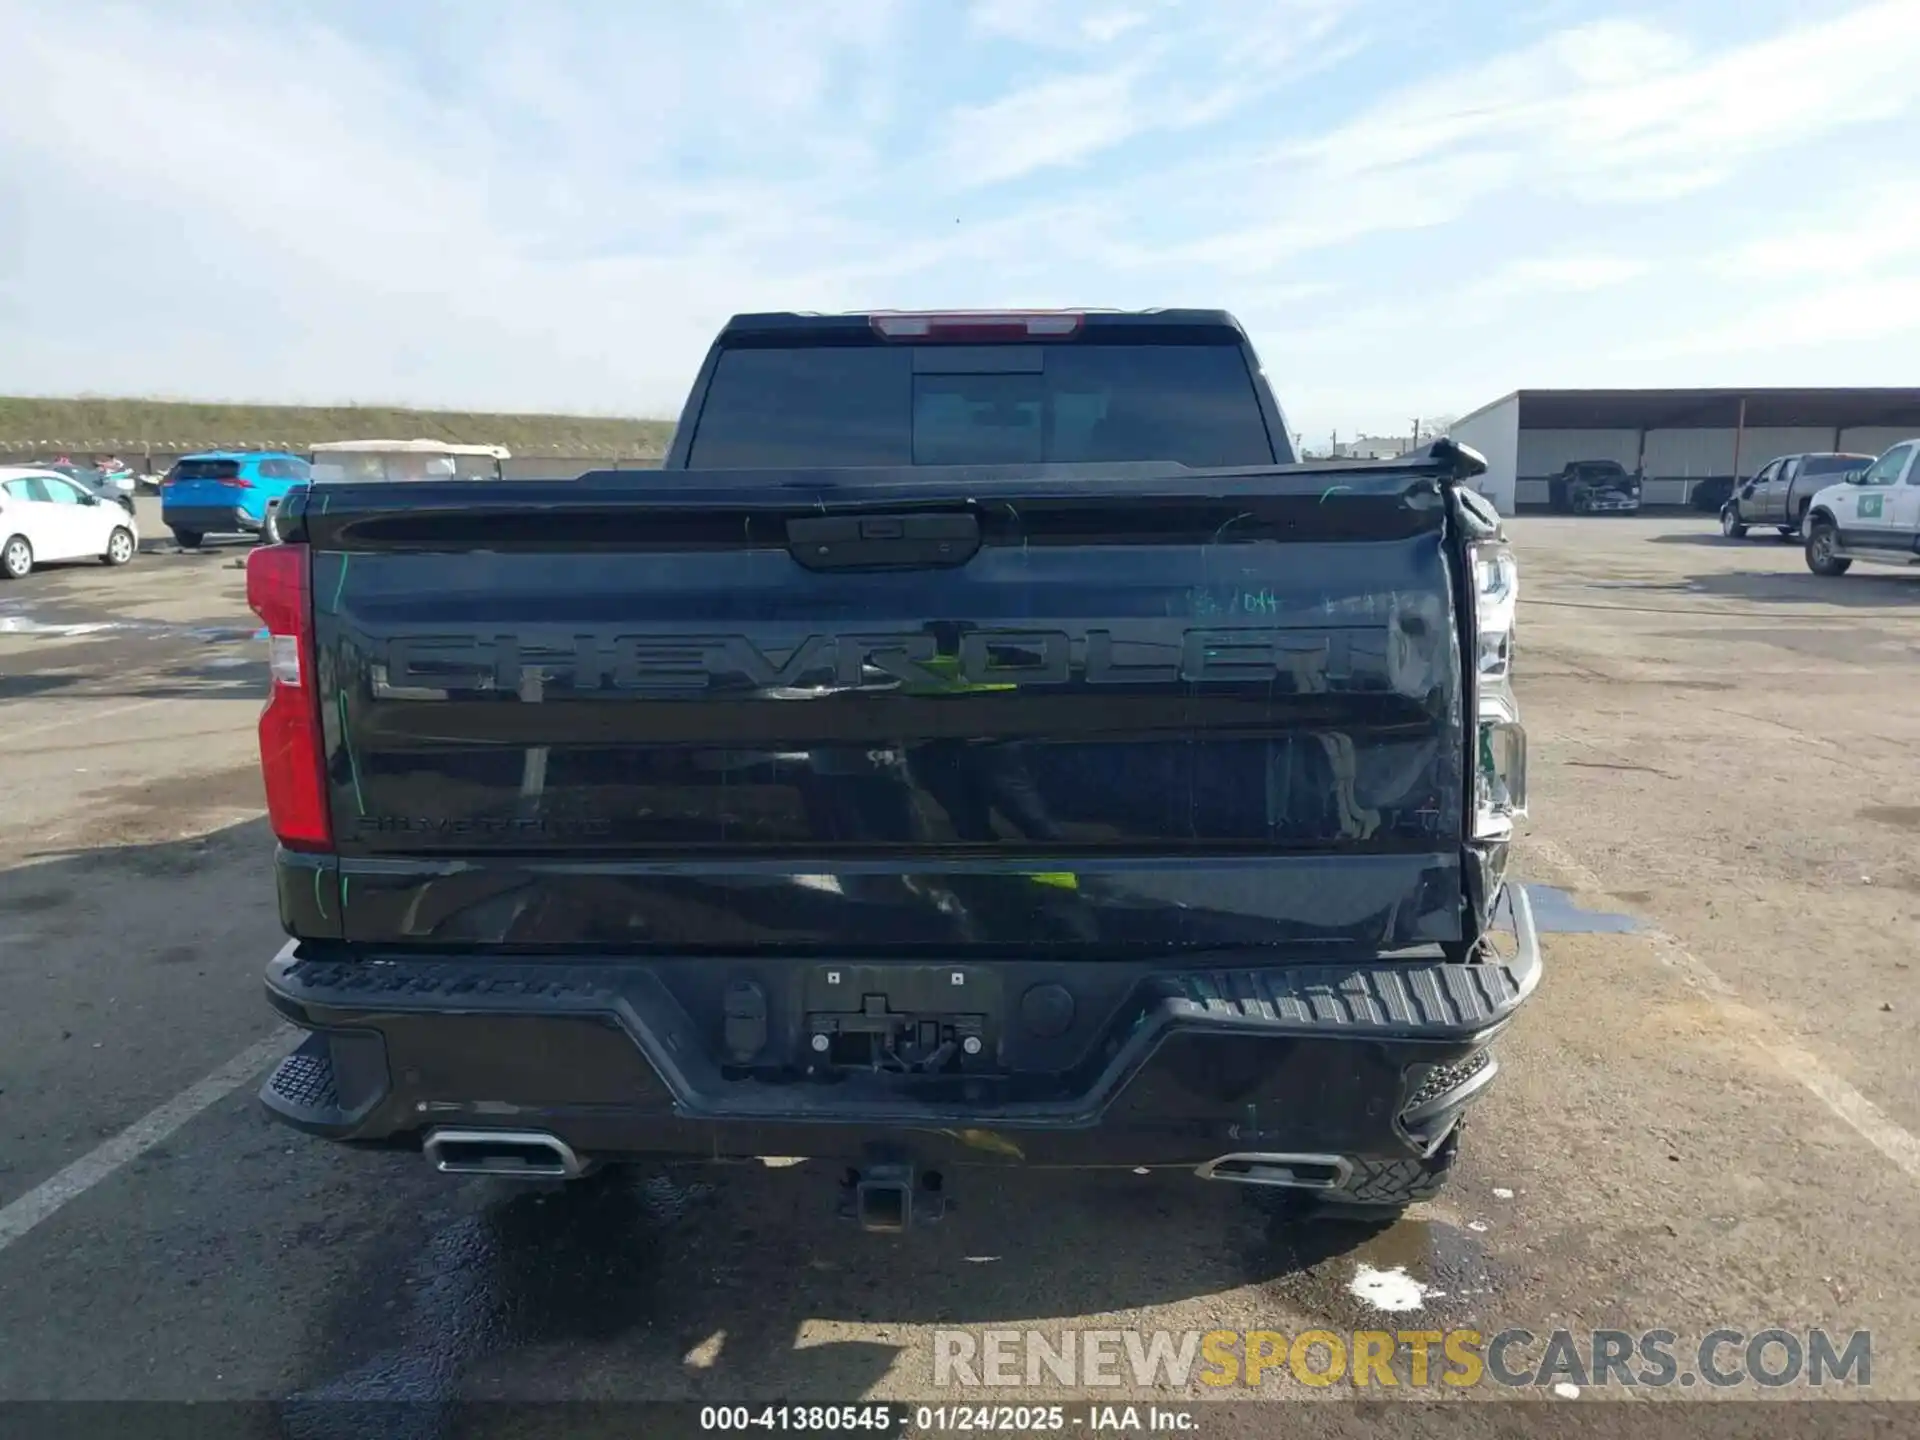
(121, 546)
(189, 539)
(270, 526)
(1377, 1189)
(1731, 524)
(1821, 540)
(16, 558)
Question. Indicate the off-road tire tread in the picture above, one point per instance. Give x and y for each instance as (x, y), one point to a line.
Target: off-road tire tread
(1394, 1182)
(1377, 1189)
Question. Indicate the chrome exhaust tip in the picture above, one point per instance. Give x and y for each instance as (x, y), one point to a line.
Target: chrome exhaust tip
(1282, 1171)
(515, 1154)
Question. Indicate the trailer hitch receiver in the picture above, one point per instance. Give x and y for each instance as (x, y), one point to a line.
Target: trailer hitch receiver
(889, 1197)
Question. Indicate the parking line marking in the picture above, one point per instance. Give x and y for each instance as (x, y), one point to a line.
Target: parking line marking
(46, 1198)
(1872, 1123)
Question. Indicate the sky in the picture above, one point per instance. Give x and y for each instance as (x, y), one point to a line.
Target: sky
(1414, 208)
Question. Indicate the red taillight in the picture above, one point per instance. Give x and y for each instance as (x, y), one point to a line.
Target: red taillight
(961, 325)
(234, 482)
(291, 756)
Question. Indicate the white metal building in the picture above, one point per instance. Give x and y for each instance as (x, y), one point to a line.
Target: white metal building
(1370, 447)
(1688, 446)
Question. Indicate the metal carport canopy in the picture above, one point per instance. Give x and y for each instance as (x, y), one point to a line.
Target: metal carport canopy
(1829, 409)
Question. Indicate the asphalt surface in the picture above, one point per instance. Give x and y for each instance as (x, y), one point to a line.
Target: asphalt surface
(1705, 1119)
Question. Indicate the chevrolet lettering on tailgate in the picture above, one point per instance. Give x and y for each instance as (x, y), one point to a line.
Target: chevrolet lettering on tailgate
(427, 666)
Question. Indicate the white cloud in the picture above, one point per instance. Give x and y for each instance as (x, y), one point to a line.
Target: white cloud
(1620, 110)
(1773, 338)
(1060, 24)
(1032, 22)
(1055, 122)
(1276, 217)
(1551, 274)
(1179, 69)
(390, 240)
(548, 206)
(1854, 236)
(1105, 28)
(1502, 301)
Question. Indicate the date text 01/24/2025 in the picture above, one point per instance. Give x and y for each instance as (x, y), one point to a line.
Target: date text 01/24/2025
(950, 1419)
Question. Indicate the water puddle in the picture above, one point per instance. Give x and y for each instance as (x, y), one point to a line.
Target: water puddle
(1387, 1289)
(27, 625)
(1556, 912)
(1363, 1273)
(17, 621)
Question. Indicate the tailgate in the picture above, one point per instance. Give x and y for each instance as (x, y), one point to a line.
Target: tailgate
(202, 495)
(872, 711)
(204, 484)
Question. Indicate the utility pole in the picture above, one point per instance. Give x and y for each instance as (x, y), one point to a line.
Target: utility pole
(1414, 444)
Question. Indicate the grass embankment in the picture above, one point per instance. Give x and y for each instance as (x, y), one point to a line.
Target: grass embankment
(128, 427)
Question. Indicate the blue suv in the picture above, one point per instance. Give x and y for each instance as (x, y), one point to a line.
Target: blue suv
(228, 492)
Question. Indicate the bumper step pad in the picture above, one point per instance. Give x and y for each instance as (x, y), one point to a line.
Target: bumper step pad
(302, 1085)
(304, 1089)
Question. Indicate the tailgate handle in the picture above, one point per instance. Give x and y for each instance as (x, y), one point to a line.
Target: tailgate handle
(883, 542)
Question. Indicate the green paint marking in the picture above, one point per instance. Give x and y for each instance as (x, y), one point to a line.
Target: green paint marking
(1233, 602)
(341, 583)
(353, 761)
(1331, 491)
(319, 896)
(1058, 879)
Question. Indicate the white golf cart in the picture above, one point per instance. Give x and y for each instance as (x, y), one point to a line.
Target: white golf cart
(354, 461)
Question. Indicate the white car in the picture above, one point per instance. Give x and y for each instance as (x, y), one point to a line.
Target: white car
(1874, 515)
(45, 516)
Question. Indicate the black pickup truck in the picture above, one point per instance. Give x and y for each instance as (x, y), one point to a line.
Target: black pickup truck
(980, 745)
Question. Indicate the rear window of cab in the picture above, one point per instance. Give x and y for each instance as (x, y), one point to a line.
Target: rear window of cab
(207, 470)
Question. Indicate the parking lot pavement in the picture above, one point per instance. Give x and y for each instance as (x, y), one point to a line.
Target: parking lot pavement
(1705, 1118)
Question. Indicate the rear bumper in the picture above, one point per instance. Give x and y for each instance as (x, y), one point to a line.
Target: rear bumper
(209, 519)
(1358, 1060)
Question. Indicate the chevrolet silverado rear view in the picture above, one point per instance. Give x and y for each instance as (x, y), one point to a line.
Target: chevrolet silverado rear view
(980, 744)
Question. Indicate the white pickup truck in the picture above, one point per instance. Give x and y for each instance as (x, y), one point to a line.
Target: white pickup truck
(1873, 515)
